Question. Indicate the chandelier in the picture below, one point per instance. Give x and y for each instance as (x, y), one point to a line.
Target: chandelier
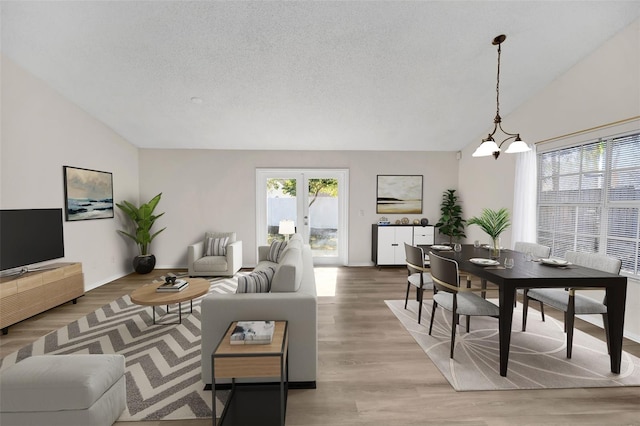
(489, 145)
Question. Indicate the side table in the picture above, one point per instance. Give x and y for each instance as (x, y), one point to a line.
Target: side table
(252, 404)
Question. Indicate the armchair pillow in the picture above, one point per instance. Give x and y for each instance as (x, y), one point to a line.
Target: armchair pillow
(256, 282)
(275, 251)
(216, 246)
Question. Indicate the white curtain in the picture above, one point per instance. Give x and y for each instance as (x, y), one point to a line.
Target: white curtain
(524, 198)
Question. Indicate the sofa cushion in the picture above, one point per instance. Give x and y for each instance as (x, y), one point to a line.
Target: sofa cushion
(289, 273)
(210, 264)
(257, 281)
(216, 246)
(59, 382)
(275, 250)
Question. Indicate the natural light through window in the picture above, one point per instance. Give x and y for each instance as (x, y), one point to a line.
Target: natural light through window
(326, 279)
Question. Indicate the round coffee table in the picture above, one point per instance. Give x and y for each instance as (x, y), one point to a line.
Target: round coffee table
(148, 296)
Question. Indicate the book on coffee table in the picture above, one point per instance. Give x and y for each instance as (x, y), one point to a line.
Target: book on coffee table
(178, 285)
(253, 333)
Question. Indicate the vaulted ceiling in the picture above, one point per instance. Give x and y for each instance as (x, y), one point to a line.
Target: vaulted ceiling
(334, 75)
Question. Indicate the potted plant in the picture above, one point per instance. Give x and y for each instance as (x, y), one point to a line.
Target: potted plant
(143, 218)
(451, 222)
(493, 223)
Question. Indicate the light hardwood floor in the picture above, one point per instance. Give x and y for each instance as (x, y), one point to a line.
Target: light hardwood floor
(371, 371)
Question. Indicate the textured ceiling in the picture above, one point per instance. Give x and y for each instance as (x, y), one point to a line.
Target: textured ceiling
(339, 75)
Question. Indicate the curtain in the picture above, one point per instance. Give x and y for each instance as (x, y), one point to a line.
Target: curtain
(524, 198)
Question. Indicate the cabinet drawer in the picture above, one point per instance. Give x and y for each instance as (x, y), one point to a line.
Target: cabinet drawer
(423, 235)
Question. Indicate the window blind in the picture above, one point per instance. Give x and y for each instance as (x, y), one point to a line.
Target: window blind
(589, 199)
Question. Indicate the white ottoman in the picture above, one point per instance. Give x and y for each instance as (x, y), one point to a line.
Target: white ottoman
(53, 390)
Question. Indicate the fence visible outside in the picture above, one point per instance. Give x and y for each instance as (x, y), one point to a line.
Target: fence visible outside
(323, 217)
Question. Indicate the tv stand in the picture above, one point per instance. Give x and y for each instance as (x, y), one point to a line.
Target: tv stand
(34, 292)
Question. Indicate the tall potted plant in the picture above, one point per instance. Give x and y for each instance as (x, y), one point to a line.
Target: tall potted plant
(451, 222)
(143, 219)
(493, 222)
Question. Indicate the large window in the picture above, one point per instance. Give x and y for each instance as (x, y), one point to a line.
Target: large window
(589, 199)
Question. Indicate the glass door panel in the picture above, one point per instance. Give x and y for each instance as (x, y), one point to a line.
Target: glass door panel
(282, 204)
(322, 216)
(315, 200)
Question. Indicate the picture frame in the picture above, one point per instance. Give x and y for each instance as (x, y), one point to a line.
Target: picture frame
(88, 194)
(399, 194)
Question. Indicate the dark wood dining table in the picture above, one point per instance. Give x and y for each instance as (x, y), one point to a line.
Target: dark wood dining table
(535, 274)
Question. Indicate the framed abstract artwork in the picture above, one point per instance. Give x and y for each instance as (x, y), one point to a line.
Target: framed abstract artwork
(399, 194)
(88, 194)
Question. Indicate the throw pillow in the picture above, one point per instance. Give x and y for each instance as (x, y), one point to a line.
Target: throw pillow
(256, 282)
(275, 250)
(216, 246)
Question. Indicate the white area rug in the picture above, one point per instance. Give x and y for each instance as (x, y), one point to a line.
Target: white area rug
(537, 358)
(162, 361)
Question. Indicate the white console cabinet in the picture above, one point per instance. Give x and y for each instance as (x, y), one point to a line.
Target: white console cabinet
(387, 245)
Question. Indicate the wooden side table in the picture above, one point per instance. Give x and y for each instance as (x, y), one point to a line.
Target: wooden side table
(257, 404)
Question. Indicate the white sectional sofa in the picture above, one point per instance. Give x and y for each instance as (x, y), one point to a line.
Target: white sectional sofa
(292, 298)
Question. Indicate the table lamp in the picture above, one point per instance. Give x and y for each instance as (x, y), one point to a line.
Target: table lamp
(286, 228)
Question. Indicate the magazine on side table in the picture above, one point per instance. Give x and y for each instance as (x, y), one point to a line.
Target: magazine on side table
(253, 333)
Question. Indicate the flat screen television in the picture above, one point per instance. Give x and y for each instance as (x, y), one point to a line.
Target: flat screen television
(30, 236)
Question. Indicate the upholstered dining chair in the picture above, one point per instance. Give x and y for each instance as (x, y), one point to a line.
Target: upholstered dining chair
(417, 275)
(537, 251)
(571, 303)
(450, 296)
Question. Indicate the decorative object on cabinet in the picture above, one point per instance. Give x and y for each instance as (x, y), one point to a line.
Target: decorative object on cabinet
(88, 194)
(399, 194)
(424, 221)
(451, 222)
(383, 221)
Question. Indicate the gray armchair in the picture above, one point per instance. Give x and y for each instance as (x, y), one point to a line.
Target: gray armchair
(214, 256)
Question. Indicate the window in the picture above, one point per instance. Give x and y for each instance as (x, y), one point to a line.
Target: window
(589, 199)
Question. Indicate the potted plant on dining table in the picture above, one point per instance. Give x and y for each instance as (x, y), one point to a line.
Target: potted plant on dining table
(494, 223)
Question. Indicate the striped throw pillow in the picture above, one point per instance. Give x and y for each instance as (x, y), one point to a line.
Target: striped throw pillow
(256, 282)
(275, 250)
(216, 246)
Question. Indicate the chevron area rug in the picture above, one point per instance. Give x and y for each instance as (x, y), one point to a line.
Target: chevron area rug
(162, 361)
(537, 357)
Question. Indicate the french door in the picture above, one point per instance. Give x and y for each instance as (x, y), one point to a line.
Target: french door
(316, 200)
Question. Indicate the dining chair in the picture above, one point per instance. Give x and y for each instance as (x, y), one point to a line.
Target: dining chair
(571, 303)
(449, 295)
(417, 275)
(537, 251)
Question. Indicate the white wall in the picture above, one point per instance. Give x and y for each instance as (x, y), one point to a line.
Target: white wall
(41, 132)
(602, 88)
(215, 190)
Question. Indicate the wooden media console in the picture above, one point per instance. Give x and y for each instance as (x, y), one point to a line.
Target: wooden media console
(35, 292)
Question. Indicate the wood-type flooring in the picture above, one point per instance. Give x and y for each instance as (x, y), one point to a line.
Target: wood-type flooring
(371, 371)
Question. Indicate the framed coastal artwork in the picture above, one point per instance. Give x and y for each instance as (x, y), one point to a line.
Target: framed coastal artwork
(400, 194)
(88, 194)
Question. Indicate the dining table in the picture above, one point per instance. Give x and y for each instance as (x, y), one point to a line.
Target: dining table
(537, 274)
